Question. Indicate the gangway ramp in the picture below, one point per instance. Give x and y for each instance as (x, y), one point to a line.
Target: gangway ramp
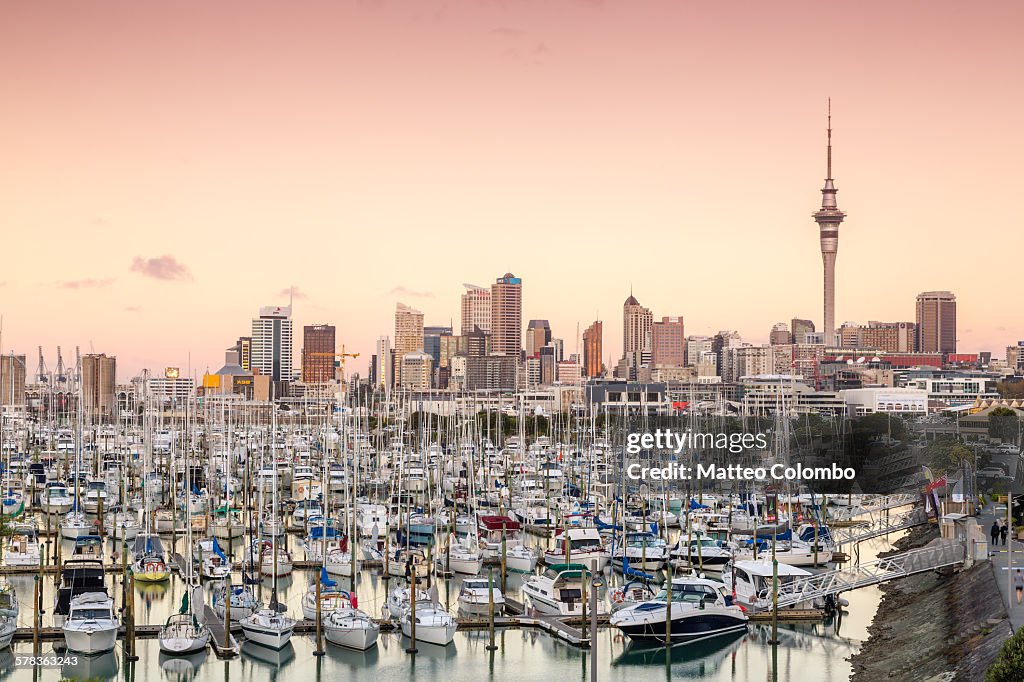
(877, 525)
(938, 554)
(875, 504)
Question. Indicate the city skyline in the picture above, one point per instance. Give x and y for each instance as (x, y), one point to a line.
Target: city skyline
(543, 146)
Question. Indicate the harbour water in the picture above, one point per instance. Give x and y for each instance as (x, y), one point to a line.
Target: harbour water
(806, 651)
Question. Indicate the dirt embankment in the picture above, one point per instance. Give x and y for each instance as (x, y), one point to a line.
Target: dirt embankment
(934, 626)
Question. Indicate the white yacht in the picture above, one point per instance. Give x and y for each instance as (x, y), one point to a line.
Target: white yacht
(475, 598)
(434, 625)
(268, 628)
(585, 546)
(699, 609)
(351, 628)
(751, 582)
(559, 590)
(243, 602)
(182, 635)
(23, 546)
(91, 626)
(463, 556)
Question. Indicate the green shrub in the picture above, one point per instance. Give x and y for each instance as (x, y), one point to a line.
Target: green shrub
(1009, 665)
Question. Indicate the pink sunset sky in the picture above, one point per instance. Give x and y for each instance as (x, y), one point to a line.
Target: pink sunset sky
(167, 167)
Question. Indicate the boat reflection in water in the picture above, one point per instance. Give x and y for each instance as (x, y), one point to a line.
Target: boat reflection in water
(697, 659)
(265, 656)
(355, 661)
(182, 668)
(102, 667)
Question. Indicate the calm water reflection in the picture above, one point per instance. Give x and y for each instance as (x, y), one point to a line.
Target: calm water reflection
(817, 652)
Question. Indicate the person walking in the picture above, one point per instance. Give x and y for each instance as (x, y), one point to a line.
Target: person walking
(1018, 583)
(994, 532)
(1003, 532)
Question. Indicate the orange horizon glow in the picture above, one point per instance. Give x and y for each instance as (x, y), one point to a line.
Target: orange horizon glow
(170, 167)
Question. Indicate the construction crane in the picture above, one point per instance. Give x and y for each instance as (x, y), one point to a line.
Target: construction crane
(340, 362)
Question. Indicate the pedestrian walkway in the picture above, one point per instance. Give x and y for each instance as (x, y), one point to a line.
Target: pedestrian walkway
(1003, 558)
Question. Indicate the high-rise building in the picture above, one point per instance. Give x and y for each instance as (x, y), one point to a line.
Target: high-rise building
(478, 343)
(476, 309)
(636, 337)
(592, 349)
(318, 349)
(828, 218)
(12, 379)
(538, 335)
(99, 373)
(569, 372)
(1015, 357)
(432, 341)
(272, 343)
(383, 376)
(491, 373)
(408, 336)
(417, 370)
(695, 347)
(720, 343)
(780, 335)
(890, 337)
(668, 345)
(936, 322)
(507, 316)
(548, 365)
(849, 335)
(244, 348)
(801, 328)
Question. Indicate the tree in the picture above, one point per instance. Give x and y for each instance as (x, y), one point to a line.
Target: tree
(1004, 424)
(1011, 390)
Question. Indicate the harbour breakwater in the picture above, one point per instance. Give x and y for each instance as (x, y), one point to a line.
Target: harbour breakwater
(946, 626)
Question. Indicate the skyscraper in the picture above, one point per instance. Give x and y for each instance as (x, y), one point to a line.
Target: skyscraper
(98, 381)
(244, 348)
(828, 218)
(507, 315)
(780, 335)
(538, 335)
(476, 309)
(408, 336)
(318, 348)
(383, 376)
(636, 336)
(271, 352)
(593, 346)
(936, 322)
(801, 328)
(668, 345)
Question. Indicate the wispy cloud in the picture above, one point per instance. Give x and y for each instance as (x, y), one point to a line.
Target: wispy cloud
(405, 291)
(133, 308)
(87, 283)
(293, 292)
(100, 220)
(165, 267)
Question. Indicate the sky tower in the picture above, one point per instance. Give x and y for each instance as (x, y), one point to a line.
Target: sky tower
(829, 218)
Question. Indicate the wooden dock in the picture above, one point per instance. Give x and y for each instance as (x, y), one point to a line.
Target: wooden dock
(223, 642)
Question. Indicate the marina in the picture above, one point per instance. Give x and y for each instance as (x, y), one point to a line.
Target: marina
(511, 540)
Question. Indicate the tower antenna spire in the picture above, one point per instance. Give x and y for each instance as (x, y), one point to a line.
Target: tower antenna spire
(829, 176)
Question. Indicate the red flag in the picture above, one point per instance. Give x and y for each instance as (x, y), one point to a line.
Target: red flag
(937, 484)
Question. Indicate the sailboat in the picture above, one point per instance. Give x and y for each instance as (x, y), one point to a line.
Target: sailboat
(184, 633)
(150, 566)
(8, 614)
(270, 627)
